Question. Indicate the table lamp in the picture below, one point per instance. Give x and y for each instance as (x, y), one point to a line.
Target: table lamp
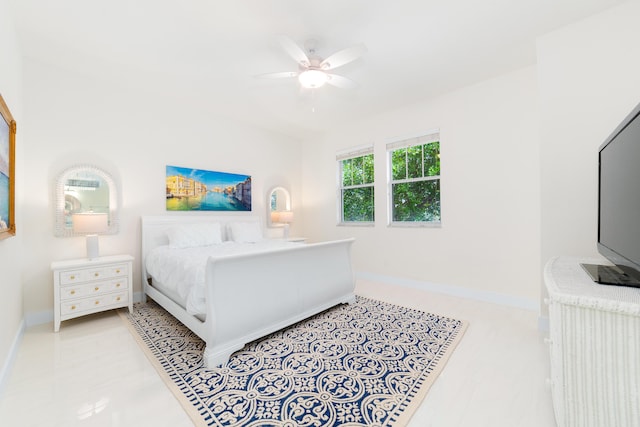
(285, 217)
(91, 224)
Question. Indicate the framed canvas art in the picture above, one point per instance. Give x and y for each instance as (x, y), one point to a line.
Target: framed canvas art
(7, 172)
(201, 190)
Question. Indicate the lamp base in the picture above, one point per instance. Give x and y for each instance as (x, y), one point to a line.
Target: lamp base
(93, 249)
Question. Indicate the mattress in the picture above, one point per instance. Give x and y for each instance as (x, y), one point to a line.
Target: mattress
(179, 273)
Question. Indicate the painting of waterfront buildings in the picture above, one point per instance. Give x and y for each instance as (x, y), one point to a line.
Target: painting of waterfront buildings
(201, 190)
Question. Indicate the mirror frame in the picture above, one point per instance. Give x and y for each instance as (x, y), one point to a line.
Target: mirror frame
(287, 205)
(61, 229)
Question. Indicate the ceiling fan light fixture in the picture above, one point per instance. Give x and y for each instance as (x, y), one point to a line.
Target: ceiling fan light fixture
(312, 79)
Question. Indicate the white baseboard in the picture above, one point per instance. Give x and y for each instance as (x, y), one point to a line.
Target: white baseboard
(137, 296)
(457, 291)
(38, 318)
(11, 357)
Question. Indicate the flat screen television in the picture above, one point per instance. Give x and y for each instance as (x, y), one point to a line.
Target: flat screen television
(619, 205)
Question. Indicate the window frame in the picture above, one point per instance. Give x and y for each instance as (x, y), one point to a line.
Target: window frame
(353, 153)
(407, 142)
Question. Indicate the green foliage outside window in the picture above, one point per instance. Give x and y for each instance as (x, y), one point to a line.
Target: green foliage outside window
(357, 204)
(417, 201)
(357, 189)
(415, 186)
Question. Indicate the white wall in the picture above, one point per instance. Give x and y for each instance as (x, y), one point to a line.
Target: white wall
(70, 118)
(489, 240)
(11, 306)
(588, 82)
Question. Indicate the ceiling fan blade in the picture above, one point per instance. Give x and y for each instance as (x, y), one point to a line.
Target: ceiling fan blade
(344, 56)
(277, 75)
(341, 82)
(294, 50)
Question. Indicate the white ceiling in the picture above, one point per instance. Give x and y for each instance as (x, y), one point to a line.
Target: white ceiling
(211, 50)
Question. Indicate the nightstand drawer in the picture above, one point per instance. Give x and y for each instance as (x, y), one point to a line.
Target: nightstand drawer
(117, 270)
(68, 277)
(94, 288)
(100, 302)
(76, 276)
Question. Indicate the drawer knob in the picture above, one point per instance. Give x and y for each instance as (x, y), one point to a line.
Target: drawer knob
(96, 274)
(73, 307)
(72, 277)
(118, 271)
(117, 285)
(97, 288)
(97, 302)
(118, 299)
(72, 292)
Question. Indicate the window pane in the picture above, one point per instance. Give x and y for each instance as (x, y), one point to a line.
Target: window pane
(399, 164)
(416, 201)
(357, 204)
(414, 161)
(346, 172)
(368, 168)
(358, 172)
(432, 159)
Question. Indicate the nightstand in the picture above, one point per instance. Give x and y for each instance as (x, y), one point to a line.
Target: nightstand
(83, 286)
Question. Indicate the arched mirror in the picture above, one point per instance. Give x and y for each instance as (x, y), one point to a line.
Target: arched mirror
(278, 200)
(84, 189)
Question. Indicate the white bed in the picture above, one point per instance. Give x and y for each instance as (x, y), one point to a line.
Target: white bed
(231, 293)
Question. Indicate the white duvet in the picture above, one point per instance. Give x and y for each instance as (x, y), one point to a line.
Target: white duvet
(181, 270)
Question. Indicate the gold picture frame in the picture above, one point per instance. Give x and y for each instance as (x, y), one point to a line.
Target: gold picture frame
(7, 172)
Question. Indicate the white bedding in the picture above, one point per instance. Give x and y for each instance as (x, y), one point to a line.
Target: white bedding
(181, 271)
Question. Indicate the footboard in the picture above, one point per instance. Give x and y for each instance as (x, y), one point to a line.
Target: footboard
(250, 296)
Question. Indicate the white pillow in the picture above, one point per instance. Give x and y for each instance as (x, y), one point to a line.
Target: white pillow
(194, 235)
(245, 232)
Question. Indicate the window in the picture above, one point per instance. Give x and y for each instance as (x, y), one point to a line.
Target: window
(414, 166)
(356, 195)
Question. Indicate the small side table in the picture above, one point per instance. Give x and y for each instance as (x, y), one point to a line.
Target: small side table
(83, 286)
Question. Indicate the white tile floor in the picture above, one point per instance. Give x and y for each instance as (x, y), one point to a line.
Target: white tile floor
(92, 373)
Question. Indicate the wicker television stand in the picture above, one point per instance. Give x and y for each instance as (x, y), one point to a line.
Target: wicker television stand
(594, 341)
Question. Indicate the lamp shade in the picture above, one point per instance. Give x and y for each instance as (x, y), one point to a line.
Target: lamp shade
(285, 217)
(90, 223)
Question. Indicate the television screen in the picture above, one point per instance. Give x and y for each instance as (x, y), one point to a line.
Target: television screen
(619, 205)
(620, 193)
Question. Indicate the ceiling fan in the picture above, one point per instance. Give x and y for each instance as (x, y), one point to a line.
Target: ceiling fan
(313, 70)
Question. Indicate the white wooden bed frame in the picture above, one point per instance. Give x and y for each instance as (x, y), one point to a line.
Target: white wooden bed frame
(252, 295)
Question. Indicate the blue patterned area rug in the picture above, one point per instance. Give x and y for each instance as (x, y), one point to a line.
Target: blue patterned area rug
(366, 364)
